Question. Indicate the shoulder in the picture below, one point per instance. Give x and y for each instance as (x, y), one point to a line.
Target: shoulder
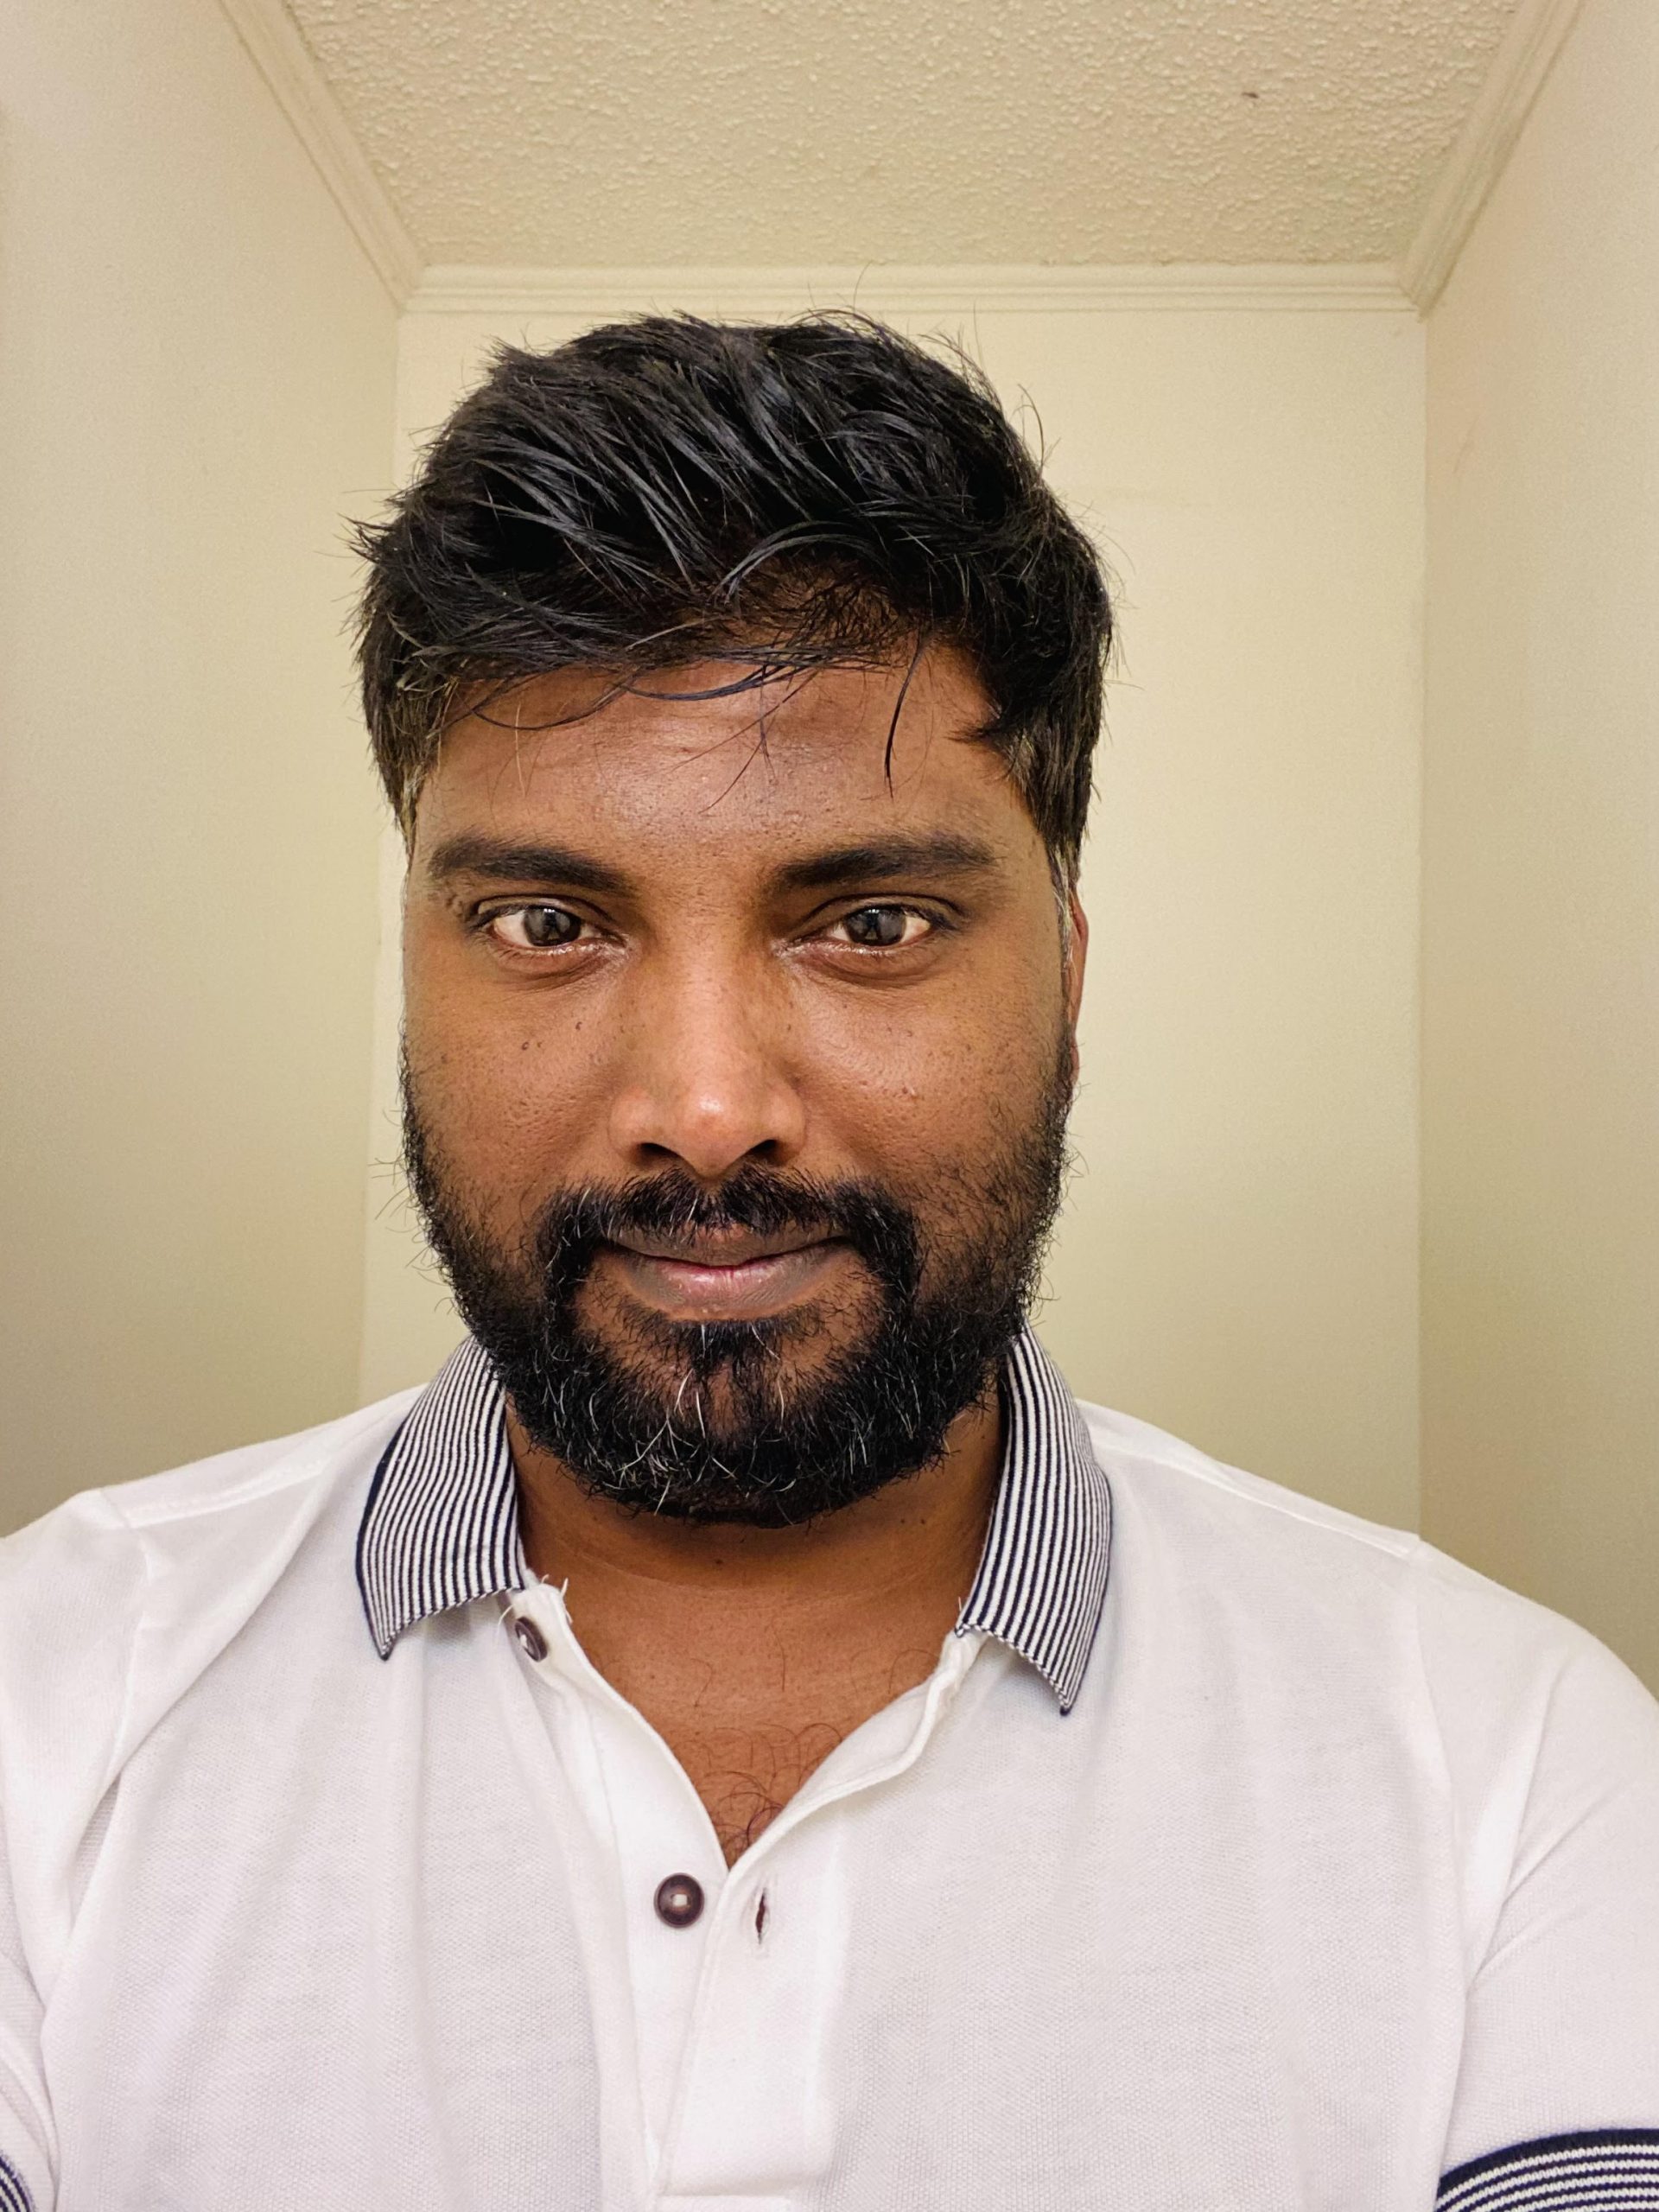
(1174, 1475)
(1522, 1714)
(1217, 1524)
(1273, 1538)
(187, 1554)
(95, 1543)
(1271, 1541)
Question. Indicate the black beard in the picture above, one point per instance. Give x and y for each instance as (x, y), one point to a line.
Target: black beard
(736, 1437)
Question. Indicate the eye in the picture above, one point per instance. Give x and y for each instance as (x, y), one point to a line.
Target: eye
(884, 928)
(534, 929)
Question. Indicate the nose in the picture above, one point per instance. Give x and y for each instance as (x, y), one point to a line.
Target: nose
(704, 1080)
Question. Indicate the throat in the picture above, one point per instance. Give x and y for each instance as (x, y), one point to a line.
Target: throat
(746, 1776)
(755, 1653)
(749, 1746)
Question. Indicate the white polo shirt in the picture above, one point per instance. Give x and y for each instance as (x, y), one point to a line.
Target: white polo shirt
(1286, 1864)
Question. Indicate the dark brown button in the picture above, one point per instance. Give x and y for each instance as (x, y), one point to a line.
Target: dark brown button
(679, 1900)
(534, 1643)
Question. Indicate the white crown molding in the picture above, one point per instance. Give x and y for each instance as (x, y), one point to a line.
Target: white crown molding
(1537, 33)
(288, 66)
(1525, 55)
(888, 289)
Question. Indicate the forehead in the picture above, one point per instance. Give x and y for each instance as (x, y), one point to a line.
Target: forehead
(735, 779)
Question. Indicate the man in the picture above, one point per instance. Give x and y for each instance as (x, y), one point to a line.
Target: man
(743, 1737)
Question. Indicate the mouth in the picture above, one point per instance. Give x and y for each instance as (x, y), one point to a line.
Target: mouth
(730, 1277)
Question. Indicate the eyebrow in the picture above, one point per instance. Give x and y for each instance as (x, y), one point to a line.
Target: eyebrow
(500, 861)
(942, 853)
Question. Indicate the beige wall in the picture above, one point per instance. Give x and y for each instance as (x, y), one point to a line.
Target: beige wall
(195, 380)
(1540, 997)
(1239, 1259)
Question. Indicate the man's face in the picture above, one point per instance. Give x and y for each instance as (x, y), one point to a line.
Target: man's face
(738, 1048)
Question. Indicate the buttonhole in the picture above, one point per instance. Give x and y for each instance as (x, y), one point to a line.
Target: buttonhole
(760, 1919)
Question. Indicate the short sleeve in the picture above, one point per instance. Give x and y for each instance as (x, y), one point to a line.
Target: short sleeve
(1557, 2100)
(70, 1592)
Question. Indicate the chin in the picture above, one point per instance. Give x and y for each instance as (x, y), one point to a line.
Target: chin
(804, 1341)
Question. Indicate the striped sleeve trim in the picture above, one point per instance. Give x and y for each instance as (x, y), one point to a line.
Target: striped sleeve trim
(14, 2198)
(1607, 2170)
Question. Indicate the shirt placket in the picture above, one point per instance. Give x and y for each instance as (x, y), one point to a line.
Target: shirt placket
(755, 2116)
(736, 2001)
(649, 1827)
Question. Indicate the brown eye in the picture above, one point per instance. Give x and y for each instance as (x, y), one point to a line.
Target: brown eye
(537, 929)
(879, 925)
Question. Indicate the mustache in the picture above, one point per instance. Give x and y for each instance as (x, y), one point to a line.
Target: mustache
(574, 1224)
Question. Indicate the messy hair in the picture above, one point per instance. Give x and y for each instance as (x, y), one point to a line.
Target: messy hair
(778, 498)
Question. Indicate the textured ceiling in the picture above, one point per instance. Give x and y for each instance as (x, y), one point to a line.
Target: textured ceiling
(602, 132)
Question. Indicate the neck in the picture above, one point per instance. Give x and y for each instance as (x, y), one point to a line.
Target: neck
(790, 1634)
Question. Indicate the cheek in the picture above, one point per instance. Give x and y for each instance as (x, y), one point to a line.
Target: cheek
(940, 1089)
(503, 1089)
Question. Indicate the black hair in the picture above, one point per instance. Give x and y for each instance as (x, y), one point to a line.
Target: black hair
(780, 496)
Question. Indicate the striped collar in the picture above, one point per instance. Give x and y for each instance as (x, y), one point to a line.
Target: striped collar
(442, 1523)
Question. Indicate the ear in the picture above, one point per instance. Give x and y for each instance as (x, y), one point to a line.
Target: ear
(1077, 954)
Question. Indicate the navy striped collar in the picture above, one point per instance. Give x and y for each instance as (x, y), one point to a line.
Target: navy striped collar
(442, 1523)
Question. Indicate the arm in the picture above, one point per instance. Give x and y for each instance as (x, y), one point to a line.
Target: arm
(26, 2140)
(70, 1595)
(1557, 2102)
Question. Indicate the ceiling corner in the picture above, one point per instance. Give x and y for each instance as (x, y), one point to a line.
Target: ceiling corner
(1535, 34)
(285, 61)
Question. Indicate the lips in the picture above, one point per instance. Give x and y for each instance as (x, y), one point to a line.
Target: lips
(733, 1277)
(733, 1249)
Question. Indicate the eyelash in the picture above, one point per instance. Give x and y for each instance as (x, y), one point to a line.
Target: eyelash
(485, 918)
